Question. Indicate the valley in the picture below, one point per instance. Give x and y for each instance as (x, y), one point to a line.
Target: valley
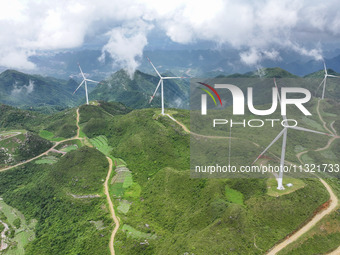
(169, 127)
(111, 169)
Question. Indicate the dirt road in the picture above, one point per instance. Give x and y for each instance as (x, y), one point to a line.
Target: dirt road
(335, 252)
(3, 245)
(106, 188)
(10, 136)
(77, 123)
(49, 150)
(310, 224)
(321, 119)
(333, 198)
(112, 211)
(203, 136)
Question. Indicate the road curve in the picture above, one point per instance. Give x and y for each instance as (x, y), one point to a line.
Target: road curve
(335, 252)
(77, 123)
(333, 199)
(203, 136)
(112, 211)
(50, 149)
(321, 119)
(333, 204)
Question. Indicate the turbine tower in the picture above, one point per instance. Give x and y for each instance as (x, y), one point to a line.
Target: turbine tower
(284, 142)
(85, 80)
(161, 78)
(325, 79)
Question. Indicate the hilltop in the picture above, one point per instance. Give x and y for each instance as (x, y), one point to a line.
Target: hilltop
(20, 89)
(274, 72)
(155, 198)
(136, 92)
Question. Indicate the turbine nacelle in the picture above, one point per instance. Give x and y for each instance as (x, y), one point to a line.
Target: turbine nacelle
(85, 80)
(160, 83)
(284, 143)
(325, 80)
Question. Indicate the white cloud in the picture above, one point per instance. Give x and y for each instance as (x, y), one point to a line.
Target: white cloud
(257, 27)
(126, 45)
(25, 89)
(254, 56)
(251, 57)
(13, 58)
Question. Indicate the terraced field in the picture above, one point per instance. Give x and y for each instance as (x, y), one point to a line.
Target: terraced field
(100, 142)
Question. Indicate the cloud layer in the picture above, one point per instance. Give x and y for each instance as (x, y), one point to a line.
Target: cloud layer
(256, 28)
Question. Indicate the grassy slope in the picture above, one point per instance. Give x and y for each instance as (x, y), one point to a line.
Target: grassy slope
(148, 144)
(194, 215)
(46, 90)
(325, 236)
(63, 225)
(61, 124)
(184, 214)
(22, 147)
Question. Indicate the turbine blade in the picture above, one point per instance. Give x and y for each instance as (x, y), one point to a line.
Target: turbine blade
(324, 65)
(78, 87)
(278, 95)
(92, 81)
(154, 93)
(321, 83)
(275, 139)
(330, 75)
(167, 78)
(309, 130)
(81, 71)
(154, 68)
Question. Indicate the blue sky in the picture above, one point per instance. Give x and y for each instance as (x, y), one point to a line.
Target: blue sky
(123, 29)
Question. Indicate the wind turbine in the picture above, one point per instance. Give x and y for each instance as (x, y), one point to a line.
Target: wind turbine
(85, 80)
(284, 142)
(161, 78)
(325, 79)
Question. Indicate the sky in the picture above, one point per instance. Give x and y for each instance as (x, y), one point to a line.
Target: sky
(123, 29)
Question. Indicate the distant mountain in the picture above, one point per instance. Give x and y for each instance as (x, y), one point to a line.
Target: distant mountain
(321, 74)
(276, 72)
(193, 62)
(332, 85)
(48, 94)
(20, 89)
(136, 92)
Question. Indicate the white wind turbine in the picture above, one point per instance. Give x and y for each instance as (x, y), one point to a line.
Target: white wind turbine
(284, 142)
(325, 79)
(85, 80)
(161, 78)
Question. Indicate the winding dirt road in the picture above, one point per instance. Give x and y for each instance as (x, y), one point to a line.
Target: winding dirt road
(106, 188)
(49, 150)
(333, 198)
(321, 119)
(310, 224)
(3, 245)
(77, 123)
(112, 211)
(204, 136)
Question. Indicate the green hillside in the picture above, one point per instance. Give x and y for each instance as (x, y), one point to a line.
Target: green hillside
(136, 92)
(332, 86)
(20, 89)
(162, 209)
(64, 224)
(276, 72)
(177, 214)
(20, 145)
